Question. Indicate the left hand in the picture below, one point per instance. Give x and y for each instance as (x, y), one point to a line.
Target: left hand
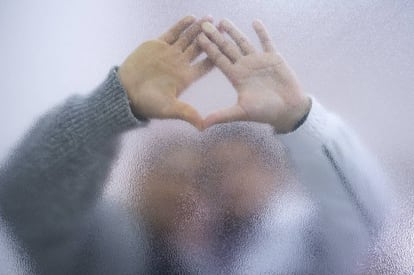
(159, 71)
(267, 88)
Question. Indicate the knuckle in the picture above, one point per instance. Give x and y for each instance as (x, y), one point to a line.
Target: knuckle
(192, 33)
(226, 45)
(215, 36)
(210, 48)
(216, 56)
(169, 37)
(173, 36)
(242, 40)
(221, 59)
(261, 31)
(184, 40)
(204, 42)
(192, 51)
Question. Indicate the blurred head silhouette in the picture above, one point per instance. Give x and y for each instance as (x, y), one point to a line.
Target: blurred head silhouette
(207, 189)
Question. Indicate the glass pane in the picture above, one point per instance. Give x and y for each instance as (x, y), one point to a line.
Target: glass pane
(98, 184)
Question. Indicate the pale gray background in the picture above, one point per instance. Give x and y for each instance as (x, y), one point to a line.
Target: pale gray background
(356, 57)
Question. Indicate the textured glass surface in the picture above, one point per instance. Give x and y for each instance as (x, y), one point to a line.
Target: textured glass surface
(231, 199)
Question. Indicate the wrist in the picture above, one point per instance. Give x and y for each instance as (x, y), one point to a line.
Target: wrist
(293, 117)
(124, 79)
(122, 75)
(304, 114)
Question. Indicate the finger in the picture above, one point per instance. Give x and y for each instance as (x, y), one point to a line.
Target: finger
(193, 51)
(214, 54)
(186, 112)
(187, 37)
(202, 68)
(234, 113)
(172, 34)
(227, 47)
(263, 35)
(241, 40)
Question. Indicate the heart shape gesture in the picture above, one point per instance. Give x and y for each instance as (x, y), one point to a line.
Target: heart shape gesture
(156, 73)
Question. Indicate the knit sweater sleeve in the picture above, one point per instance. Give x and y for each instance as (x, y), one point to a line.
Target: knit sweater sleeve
(57, 171)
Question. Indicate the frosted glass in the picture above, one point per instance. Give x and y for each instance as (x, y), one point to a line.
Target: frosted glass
(355, 58)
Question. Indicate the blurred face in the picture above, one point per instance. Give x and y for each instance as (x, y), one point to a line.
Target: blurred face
(244, 186)
(191, 198)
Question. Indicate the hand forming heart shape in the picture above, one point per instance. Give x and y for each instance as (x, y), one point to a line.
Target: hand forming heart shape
(158, 71)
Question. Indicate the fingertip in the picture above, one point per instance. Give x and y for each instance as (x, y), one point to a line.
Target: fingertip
(190, 17)
(220, 28)
(208, 27)
(208, 18)
(209, 121)
(198, 125)
(203, 126)
(193, 119)
(188, 20)
(187, 113)
(221, 24)
(226, 23)
(208, 125)
(256, 24)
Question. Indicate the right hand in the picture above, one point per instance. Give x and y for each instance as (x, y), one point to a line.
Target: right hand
(268, 90)
(159, 70)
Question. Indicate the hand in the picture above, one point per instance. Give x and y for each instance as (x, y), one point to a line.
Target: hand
(158, 71)
(267, 88)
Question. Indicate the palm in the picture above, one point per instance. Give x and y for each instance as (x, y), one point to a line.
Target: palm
(158, 71)
(267, 88)
(264, 86)
(160, 83)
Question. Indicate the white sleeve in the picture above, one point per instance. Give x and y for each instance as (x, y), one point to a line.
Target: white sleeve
(338, 169)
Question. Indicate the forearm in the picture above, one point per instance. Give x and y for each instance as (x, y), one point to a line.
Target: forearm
(338, 167)
(58, 170)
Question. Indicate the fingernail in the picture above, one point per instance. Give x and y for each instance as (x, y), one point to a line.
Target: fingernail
(257, 22)
(225, 23)
(208, 27)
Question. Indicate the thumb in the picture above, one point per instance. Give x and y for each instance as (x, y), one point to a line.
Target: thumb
(184, 111)
(202, 68)
(234, 113)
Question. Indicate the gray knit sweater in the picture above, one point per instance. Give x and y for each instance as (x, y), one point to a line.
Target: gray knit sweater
(51, 186)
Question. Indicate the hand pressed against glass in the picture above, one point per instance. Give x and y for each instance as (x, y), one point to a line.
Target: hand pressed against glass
(267, 88)
(159, 70)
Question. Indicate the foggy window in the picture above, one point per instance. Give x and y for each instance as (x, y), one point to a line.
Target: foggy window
(136, 140)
